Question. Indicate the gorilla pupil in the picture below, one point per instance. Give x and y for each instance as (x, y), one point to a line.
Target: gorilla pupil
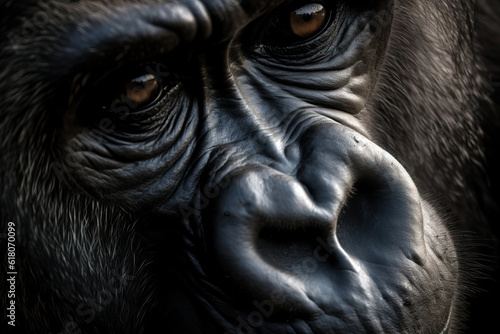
(307, 20)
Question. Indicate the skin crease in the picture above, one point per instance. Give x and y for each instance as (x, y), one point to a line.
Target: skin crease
(343, 183)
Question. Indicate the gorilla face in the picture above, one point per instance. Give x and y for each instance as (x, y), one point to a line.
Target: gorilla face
(241, 166)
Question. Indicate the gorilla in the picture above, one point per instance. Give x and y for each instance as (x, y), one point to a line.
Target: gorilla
(249, 166)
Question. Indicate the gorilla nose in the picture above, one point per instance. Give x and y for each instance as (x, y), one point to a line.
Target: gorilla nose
(271, 237)
(284, 245)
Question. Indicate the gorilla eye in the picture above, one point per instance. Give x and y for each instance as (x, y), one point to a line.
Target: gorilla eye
(139, 88)
(294, 24)
(143, 90)
(127, 94)
(308, 20)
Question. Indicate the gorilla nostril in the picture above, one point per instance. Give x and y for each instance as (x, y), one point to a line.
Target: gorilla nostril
(280, 238)
(379, 218)
(292, 251)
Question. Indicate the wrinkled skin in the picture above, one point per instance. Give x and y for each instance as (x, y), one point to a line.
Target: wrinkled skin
(342, 182)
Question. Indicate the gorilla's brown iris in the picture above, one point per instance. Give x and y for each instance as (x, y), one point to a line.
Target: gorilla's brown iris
(307, 20)
(143, 90)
